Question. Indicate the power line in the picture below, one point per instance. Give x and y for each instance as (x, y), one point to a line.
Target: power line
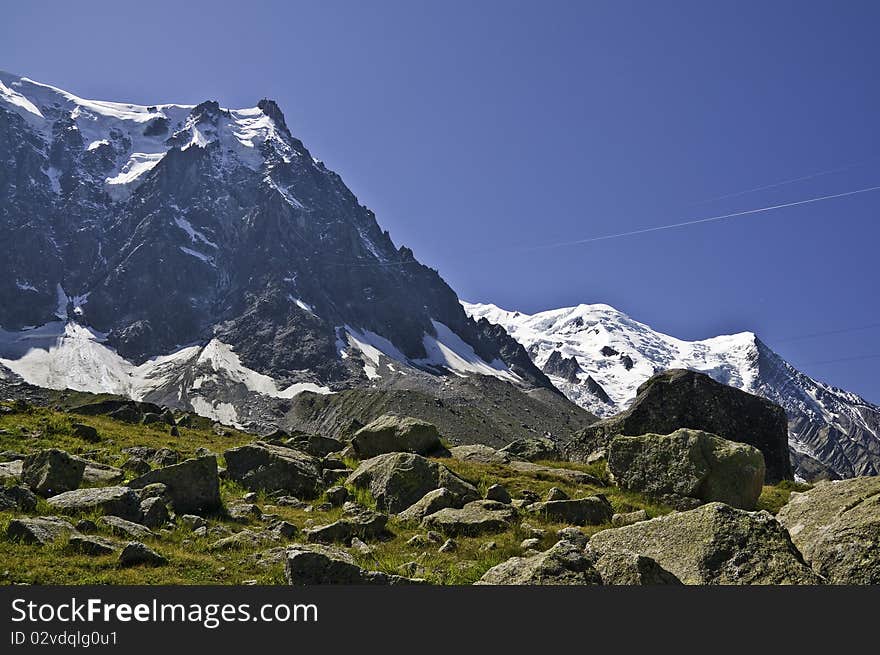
(842, 359)
(814, 335)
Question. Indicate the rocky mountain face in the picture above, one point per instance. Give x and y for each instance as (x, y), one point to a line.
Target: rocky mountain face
(202, 257)
(599, 356)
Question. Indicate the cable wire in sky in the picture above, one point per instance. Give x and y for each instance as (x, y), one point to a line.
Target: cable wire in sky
(826, 333)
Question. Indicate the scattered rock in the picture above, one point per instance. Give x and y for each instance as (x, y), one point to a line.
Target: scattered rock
(391, 434)
(836, 526)
(532, 449)
(136, 553)
(316, 564)
(488, 546)
(480, 453)
(553, 473)
(165, 457)
(85, 432)
(241, 511)
(192, 522)
(714, 544)
(124, 528)
(40, 530)
(266, 467)
(242, 539)
(92, 545)
(397, 480)
(593, 510)
(154, 513)
(290, 501)
(86, 526)
(10, 471)
(449, 546)
(357, 522)
(624, 567)
(499, 494)
(563, 564)
(136, 466)
(17, 498)
(474, 519)
(573, 535)
(96, 473)
(316, 445)
(555, 493)
(336, 496)
(112, 501)
(431, 502)
(411, 569)
(530, 544)
(52, 471)
(193, 485)
(689, 463)
(629, 518)
(285, 529)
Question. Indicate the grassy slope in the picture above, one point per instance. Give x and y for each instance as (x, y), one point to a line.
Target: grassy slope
(190, 561)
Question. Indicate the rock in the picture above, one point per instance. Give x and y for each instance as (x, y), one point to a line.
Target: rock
(417, 541)
(480, 453)
(125, 528)
(529, 496)
(431, 502)
(390, 434)
(85, 432)
(336, 496)
(714, 544)
(593, 510)
(193, 485)
(530, 543)
(86, 526)
(136, 553)
(285, 529)
(553, 473)
(315, 564)
(112, 501)
(316, 445)
(91, 545)
(96, 473)
(165, 457)
(624, 567)
(136, 466)
(154, 513)
(563, 564)
(499, 494)
(475, 518)
(242, 539)
(154, 490)
(836, 526)
(241, 511)
(488, 546)
(265, 467)
(555, 493)
(629, 518)
(532, 449)
(40, 530)
(357, 522)
(434, 537)
(52, 471)
(290, 501)
(17, 498)
(687, 399)
(192, 522)
(10, 471)
(449, 546)
(689, 463)
(573, 535)
(679, 503)
(411, 569)
(397, 480)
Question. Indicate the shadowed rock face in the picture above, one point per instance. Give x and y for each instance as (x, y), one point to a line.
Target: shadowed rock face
(687, 399)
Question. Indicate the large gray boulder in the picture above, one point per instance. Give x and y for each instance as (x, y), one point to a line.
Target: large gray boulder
(262, 466)
(113, 501)
(689, 463)
(687, 399)
(193, 485)
(714, 544)
(836, 526)
(565, 563)
(391, 434)
(397, 480)
(39, 530)
(313, 564)
(52, 471)
(475, 518)
(431, 502)
(592, 510)
(532, 449)
(624, 567)
(357, 522)
(480, 453)
(124, 528)
(17, 498)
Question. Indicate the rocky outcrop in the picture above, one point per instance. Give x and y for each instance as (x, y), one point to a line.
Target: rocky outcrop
(714, 544)
(688, 399)
(397, 480)
(395, 434)
(563, 564)
(688, 463)
(836, 526)
(52, 471)
(265, 467)
(193, 485)
(114, 501)
(475, 518)
(566, 368)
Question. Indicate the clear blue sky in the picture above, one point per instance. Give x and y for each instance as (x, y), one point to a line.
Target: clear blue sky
(475, 129)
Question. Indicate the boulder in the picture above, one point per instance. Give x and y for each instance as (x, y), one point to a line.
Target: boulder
(359, 522)
(431, 502)
(499, 494)
(193, 485)
(17, 498)
(592, 510)
(836, 526)
(629, 518)
(397, 480)
(165, 457)
(136, 553)
(543, 472)
(475, 518)
(573, 535)
(136, 466)
(85, 432)
(313, 564)
(480, 453)
(316, 445)
(714, 544)
(689, 463)
(687, 399)
(261, 466)
(113, 501)
(394, 434)
(11, 471)
(555, 493)
(92, 545)
(624, 567)
(563, 564)
(40, 530)
(242, 539)
(532, 449)
(124, 528)
(193, 522)
(52, 471)
(336, 496)
(96, 473)
(154, 512)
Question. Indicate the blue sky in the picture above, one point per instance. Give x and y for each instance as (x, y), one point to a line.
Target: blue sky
(479, 130)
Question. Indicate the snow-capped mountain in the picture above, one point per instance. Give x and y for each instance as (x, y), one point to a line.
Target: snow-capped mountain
(201, 256)
(598, 356)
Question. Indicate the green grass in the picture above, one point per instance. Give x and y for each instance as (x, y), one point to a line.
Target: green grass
(774, 497)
